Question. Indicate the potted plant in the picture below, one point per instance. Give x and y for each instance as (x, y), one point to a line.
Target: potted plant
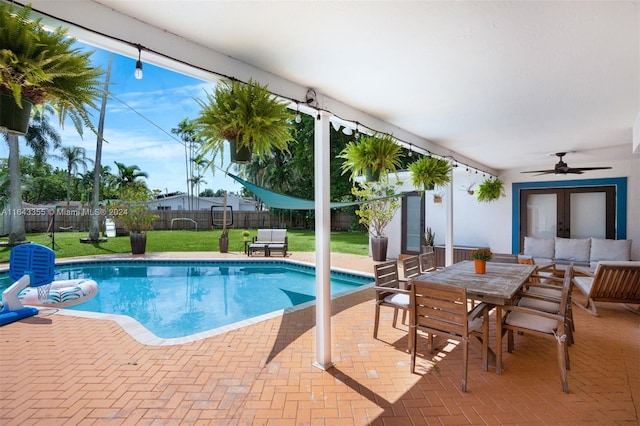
(248, 116)
(430, 172)
(490, 190)
(437, 198)
(245, 235)
(377, 213)
(480, 257)
(41, 66)
(223, 240)
(371, 156)
(428, 240)
(134, 215)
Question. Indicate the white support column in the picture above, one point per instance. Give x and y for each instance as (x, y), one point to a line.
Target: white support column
(322, 157)
(448, 238)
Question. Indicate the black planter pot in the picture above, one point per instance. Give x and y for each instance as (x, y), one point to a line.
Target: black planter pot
(224, 244)
(13, 119)
(138, 242)
(379, 248)
(239, 155)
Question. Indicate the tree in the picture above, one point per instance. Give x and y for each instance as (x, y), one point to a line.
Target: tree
(39, 138)
(74, 157)
(186, 130)
(129, 176)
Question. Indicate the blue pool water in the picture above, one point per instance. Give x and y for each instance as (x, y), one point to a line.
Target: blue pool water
(177, 299)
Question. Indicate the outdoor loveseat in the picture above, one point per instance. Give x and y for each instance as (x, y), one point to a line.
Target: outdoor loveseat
(269, 241)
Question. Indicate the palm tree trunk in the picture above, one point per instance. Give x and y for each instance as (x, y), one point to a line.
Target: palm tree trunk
(95, 219)
(16, 230)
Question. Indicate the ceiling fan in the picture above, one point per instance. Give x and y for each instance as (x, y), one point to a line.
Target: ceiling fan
(561, 168)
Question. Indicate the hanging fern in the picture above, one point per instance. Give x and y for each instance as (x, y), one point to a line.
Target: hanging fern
(490, 190)
(430, 172)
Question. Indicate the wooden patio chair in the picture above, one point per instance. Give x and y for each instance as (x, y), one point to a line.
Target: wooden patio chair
(612, 281)
(552, 326)
(439, 309)
(427, 261)
(411, 267)
(390, 291)
(504, 258)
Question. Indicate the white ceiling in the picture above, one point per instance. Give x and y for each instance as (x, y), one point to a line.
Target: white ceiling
(501, 83)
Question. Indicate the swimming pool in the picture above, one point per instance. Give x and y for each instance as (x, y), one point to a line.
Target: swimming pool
(174, 299)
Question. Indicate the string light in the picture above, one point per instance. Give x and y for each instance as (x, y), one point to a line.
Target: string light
(138, 72)
(298, 118)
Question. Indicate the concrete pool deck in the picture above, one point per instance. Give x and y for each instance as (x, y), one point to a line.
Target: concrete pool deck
(59, 369)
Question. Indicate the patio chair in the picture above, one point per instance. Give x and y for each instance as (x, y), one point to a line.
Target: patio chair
(612, 281)
(504, 258)
(551, 326)
(427, 262)
(411, 267)
(544, 293)
(390, 291)
(439, 309)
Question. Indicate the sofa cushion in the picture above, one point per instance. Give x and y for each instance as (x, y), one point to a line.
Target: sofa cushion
(539, 247)
(610, 249)
(575, 249)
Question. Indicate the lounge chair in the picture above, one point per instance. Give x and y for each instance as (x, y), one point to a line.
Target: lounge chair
(612, 281)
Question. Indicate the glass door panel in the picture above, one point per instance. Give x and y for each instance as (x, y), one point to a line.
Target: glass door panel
(588, 214)
(413, 223)
(542, 215)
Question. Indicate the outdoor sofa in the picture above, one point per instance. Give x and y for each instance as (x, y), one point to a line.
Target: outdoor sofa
(269, 241)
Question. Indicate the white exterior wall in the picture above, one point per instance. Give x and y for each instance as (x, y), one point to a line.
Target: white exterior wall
(180, 202)
(489, 224)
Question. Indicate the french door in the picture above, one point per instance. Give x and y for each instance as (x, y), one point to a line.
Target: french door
(413, 219)
(579, 212)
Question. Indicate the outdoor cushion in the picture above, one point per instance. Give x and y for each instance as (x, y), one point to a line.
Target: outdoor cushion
(610, 249)
(278, 235)
(539, 247)
(574, 249)
(532, 322)
(398, 299)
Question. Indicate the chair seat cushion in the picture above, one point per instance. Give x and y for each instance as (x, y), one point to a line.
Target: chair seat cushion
(583, 283)
(540, 305)
(398, 299)
(532, 322)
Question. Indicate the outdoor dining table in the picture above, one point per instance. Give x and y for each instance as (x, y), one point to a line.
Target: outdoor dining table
(497, 286)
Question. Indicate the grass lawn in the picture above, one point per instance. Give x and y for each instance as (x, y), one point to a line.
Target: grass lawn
(68, 243)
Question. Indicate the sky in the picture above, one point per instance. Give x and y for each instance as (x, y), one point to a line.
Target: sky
(138, 125)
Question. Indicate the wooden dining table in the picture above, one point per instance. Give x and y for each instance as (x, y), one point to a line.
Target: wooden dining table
(497, 286)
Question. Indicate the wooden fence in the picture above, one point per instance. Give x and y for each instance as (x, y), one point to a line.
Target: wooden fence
(44, 220)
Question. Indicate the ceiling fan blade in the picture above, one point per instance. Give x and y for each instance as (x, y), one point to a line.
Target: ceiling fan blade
(542, 172)
(586, 169)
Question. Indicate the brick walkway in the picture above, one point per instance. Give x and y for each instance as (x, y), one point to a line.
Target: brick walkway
(58, 369)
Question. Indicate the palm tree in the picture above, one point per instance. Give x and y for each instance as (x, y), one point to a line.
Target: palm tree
(187, 131)
(197, 181)
(75, 157)
(129, 175)
(40, 137)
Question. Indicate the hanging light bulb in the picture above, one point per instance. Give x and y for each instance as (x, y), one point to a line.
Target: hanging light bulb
(298, 116)
(357, 134)
(410, 151)
(138, 71)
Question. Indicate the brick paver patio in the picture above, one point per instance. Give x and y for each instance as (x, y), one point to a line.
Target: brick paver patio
(60, 369)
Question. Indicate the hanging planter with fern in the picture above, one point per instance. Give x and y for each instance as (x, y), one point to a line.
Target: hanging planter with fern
(428, 173)
(371, 156)
(246, 115)
(490, 190)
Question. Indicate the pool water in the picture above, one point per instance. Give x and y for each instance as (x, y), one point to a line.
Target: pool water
(177, 299)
